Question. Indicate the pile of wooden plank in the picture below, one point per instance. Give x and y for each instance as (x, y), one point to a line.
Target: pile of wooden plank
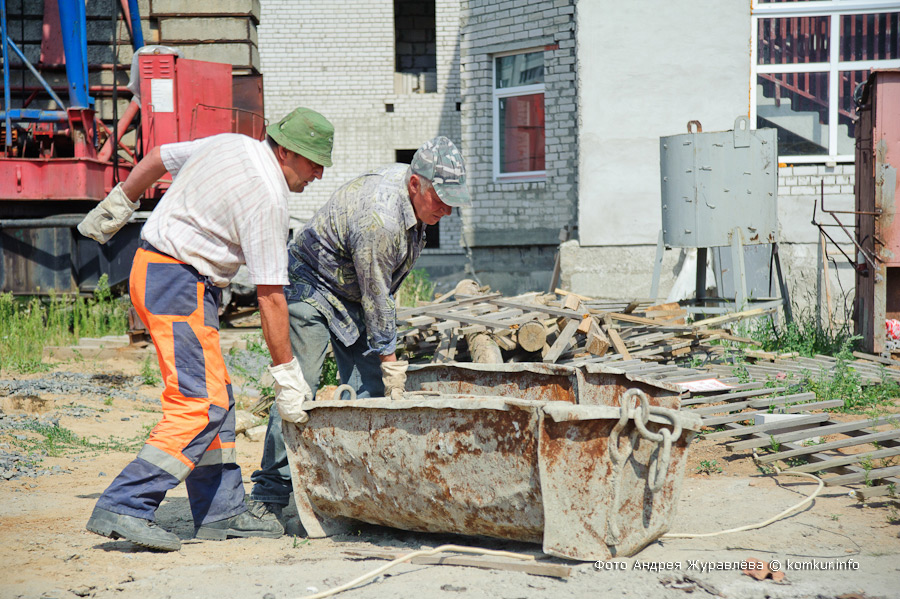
(472, 324)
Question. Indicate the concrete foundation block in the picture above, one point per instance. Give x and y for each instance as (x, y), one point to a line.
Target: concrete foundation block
(788, 428)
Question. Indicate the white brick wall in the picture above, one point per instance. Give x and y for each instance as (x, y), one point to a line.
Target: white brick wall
(338, 59)
(800, 189)
(505, 212)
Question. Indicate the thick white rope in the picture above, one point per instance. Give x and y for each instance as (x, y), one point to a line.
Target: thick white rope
(409, 556)
(793, 508)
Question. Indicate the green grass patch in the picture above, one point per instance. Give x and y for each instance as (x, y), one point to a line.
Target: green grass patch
(844, 383)
(416, 287)
(805, 335)
(55, 441)
(29, 324)
(329, 372)
(150, 374)
(252, 370)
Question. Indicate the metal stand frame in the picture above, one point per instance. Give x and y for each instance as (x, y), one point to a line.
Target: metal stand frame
(741, 298)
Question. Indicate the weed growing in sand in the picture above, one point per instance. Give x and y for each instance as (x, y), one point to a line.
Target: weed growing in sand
(250, 364)
(54, 441)
(893, 515)
(764, 468)
(844, 383)
(150, 372)
(708, 467)
(868, 465)
(797, 461)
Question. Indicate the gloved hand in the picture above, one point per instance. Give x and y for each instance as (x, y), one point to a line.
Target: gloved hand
(393, 375)
(108, 216)
(291, 391)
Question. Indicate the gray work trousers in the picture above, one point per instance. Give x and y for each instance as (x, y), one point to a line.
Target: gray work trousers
(309, 342)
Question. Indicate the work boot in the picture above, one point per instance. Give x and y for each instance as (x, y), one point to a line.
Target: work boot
(265, 510)
(137, 530)
(244, 524)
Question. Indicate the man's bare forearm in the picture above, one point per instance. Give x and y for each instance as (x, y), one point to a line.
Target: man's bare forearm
(147, 172)
(273, 312)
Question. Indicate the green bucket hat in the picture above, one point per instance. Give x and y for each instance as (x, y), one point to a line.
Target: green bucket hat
(305, 132)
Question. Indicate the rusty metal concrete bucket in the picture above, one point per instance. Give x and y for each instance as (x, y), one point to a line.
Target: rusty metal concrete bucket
(588, 482)
(589, 384)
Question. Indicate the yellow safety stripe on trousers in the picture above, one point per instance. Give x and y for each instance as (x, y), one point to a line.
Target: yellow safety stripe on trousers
(213, 457)
(166, 462)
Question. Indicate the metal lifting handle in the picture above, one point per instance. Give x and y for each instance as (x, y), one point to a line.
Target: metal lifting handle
(339, 392)
(741, 132)
(695, 124)
(641, 414)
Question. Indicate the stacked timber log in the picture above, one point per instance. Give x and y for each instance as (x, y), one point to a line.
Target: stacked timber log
(472, 324)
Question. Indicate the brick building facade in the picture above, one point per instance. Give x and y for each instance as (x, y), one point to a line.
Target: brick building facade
(513, 226)
(354, 61)
(558, 106)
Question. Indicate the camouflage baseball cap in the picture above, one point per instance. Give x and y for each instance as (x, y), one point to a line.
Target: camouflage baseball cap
(305, 132)
(440, 161)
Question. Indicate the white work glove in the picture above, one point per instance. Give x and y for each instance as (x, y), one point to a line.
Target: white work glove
(291, 391)
(393, 375)
(108, 216)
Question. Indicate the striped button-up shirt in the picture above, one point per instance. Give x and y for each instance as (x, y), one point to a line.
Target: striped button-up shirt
(357, 249)
(227, 206)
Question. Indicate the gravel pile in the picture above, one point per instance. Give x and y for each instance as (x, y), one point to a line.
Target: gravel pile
(12, 422)
(71, 383)
(247, 363)
(15, 463)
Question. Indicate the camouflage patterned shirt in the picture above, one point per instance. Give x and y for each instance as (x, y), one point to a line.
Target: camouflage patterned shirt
(358, 248)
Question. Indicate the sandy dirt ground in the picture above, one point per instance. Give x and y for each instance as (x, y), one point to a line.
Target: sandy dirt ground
(46, 552)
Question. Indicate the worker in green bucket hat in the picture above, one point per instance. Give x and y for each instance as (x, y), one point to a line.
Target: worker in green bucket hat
(227, 206)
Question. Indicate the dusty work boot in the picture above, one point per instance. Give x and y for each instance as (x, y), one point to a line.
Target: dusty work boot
(244, 524)
(264, 510)
(137, 530)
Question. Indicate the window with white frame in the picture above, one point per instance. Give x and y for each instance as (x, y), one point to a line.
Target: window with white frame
(519, 117)
(808, 58)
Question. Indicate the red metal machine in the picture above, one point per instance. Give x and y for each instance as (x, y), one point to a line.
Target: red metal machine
(59, 159)
(877, 228)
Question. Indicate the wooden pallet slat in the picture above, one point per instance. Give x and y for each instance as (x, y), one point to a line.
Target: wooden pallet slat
(757, 403)
(847, 460)
(769, 426)
(858, 477)
(831, 445)
(819, 405)
(562, 342)
(813, 432)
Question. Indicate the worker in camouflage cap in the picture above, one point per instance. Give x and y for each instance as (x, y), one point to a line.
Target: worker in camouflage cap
(344, 268)
(439, 161)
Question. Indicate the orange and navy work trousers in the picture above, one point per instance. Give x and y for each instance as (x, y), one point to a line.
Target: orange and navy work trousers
(194, 441)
